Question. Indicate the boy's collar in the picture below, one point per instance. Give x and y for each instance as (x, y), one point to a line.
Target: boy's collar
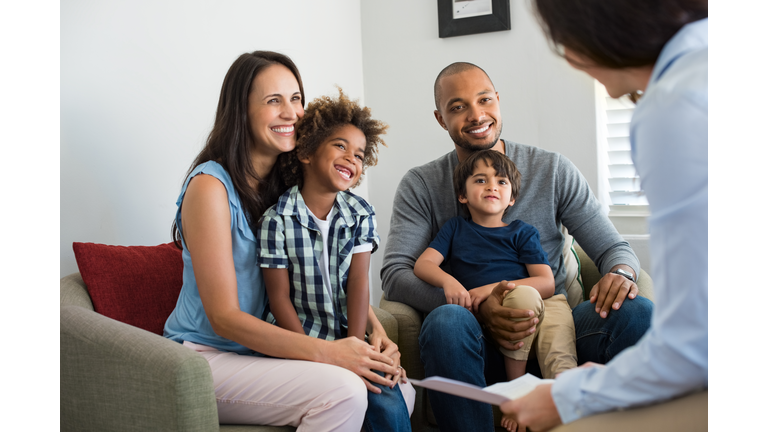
(348, 205)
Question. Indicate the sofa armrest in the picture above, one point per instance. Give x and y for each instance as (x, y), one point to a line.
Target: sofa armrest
(685, 414)
(408, 328)
(73, 292)
(389, 323)
(118, 377)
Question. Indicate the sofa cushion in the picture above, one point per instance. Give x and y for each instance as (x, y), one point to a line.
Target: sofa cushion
(137, 285)
(574, 286)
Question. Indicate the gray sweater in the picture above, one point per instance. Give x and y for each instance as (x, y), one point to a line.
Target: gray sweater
(553, 192)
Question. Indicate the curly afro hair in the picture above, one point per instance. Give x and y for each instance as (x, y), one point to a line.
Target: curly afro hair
(321, 118)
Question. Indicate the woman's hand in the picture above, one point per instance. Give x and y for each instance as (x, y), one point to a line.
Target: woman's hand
(357, 356)
(379, 340)
(382, 343)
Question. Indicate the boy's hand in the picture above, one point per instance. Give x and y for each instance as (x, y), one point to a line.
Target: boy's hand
(383, 344)
(478, 295)
(456, 294)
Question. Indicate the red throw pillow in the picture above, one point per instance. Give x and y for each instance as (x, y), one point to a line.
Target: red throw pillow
(137, 285)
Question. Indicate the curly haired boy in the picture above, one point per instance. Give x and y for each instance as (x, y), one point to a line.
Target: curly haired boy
(315, 244)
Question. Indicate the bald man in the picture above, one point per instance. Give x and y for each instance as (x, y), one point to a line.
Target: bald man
(459, 345)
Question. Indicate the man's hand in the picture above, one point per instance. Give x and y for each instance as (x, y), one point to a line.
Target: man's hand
(611, 291)
(499, 319)
(536, 410)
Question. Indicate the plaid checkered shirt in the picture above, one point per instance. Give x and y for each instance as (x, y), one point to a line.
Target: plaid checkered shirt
(289, 238)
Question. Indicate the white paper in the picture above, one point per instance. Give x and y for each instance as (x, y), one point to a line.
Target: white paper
(494, 395)
(517, 388)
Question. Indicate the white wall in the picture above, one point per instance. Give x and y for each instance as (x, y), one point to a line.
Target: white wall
(544, 102)
(139, 85)
(140, 81)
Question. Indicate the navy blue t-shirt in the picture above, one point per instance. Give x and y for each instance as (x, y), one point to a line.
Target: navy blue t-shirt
(479, 256)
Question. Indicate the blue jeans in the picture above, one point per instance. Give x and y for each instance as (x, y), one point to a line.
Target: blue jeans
(387, 410)
(453, 345)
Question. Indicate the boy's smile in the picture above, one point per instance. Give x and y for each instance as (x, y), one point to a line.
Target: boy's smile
(488, 195)
(337, 163)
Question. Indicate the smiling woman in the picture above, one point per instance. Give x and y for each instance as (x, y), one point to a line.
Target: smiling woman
(274, 105)
(222, 303)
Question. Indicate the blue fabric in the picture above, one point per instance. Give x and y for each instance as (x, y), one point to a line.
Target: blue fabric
(387, 411)
(289, 238)
(470, 356)
(600, 339)
(188, 320)
(669, 141)
(467, 247)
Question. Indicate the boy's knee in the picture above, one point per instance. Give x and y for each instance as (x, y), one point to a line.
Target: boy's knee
(524, 297)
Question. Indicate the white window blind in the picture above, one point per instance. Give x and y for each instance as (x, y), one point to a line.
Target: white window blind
(623, 183)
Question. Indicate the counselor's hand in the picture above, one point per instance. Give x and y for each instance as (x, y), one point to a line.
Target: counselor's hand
(499, 319)
(357, 356)
(611, 291)
(535, 411)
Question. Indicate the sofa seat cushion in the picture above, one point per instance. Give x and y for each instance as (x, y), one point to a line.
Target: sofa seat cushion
(137, 285)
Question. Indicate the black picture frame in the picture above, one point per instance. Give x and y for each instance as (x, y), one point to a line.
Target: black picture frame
(497, 21)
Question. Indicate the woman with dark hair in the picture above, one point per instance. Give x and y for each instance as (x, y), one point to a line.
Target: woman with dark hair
(223, 301)
(657, 49)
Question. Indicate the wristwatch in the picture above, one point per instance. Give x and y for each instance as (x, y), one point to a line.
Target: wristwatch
(624, 273)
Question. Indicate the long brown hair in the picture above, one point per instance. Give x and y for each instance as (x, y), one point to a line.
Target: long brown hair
(616, 33)
(231, 141)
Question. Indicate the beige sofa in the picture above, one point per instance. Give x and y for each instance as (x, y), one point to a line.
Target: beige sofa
(117, 377)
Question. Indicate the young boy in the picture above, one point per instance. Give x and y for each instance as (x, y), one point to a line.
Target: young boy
(315, 243)
(483, 250)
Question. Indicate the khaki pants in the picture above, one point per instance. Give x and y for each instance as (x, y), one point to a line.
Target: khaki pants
(555, 337)
(688, 413)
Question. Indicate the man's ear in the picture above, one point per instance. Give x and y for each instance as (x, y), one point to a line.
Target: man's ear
(439, 118)
(511, 202)
(463, 199)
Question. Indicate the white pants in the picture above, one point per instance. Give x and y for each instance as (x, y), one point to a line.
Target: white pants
(266, 391)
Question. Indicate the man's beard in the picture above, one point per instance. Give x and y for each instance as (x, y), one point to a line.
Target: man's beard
(466, 145)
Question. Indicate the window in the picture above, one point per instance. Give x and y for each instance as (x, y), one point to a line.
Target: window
(620, 184)
(619, 190)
